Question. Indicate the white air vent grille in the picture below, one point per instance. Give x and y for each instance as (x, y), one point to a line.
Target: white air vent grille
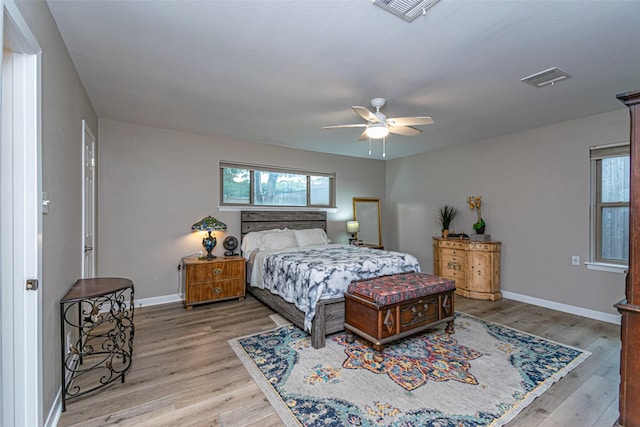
(406, 9)
(546, 77)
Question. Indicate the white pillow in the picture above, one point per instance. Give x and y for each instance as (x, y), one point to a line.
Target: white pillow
(250, 240)
(311, 237)
(278, 240)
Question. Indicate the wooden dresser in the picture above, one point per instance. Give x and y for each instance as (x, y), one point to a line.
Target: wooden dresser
(215, 280)
(475, 266)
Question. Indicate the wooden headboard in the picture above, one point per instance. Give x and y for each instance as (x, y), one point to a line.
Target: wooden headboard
(294, 220)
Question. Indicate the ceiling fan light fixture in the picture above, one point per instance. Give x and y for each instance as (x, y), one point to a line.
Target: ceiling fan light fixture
(377, 130)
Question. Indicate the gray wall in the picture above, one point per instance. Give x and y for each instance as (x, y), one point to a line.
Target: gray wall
(64, 105)
(154, 183)
(535, 189)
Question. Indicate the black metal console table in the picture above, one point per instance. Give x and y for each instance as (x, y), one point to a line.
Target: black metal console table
(96, 334)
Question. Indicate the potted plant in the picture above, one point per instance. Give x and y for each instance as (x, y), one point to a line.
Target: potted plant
(475, 203)
(446, 214)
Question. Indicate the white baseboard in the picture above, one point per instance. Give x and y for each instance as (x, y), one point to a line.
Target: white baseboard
(56, 409)
(165, 299)
(571, 309)
(146, 302)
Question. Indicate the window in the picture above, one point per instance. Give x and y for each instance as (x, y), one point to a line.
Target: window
(255, 185)
(610, 171)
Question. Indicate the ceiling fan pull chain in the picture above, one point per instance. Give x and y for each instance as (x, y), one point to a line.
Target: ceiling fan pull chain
(384, 147)
(369, 146)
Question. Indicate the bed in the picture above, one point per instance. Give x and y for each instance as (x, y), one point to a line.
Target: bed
(328, 308)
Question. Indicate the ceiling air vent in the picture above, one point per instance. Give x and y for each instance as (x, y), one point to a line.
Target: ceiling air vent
(406, 9)
(546, 77)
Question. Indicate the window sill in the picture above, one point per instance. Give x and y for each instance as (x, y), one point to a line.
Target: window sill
(274, 208)
(611, 268)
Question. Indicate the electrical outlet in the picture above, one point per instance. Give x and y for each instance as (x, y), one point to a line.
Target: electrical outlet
(575, 260)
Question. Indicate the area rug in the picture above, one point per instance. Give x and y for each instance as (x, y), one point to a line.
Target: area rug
(483, 375)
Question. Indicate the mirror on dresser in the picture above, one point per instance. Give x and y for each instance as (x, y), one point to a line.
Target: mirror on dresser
(367, 212)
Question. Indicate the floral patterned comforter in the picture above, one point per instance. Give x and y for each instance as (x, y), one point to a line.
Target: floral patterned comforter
(303, 276)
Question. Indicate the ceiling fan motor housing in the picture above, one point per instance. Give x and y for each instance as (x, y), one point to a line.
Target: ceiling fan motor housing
(378, 103)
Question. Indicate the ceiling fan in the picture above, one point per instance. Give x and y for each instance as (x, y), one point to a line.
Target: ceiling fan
(378, 126)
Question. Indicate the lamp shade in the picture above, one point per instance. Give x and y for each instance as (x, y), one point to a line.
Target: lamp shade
(208, 223)
(377, 130)
(353, 227)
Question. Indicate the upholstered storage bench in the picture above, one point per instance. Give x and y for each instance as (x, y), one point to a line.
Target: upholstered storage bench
(384, 309)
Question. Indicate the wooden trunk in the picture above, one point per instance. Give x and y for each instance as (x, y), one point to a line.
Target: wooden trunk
(387, 308)
(381, 324)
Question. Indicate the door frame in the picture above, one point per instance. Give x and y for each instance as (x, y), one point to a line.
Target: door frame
(20, 223)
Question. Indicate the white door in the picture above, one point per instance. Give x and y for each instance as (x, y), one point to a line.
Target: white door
(88, 201)
(20, 224)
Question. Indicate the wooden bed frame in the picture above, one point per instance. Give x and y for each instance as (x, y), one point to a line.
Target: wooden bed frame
(329, 316)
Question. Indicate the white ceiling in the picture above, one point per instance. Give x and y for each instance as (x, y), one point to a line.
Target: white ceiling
(277, 71)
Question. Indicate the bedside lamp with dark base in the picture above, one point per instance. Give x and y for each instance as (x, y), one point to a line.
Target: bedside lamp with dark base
(209, 241)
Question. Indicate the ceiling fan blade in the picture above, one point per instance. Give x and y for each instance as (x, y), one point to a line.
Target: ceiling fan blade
(409, 121)
(404, 130)
(366, 114)
(363, 136)
(361, 125)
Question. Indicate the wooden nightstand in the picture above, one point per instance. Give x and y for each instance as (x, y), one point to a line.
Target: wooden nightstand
(215, 280)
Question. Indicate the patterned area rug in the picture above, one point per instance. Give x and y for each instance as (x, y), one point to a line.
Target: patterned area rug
(482, 375)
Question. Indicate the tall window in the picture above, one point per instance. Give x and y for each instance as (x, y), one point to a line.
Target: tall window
(610, 170)
(256, 185)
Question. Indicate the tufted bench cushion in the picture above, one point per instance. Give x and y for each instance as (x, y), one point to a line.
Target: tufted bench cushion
(396, 288)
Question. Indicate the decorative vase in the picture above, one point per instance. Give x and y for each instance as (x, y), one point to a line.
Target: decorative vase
(481, 223)
(445, 233)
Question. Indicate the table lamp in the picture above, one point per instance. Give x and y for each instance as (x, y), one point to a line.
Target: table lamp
(209, 224)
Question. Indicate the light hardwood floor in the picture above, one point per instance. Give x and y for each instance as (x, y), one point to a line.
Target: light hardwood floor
(184, 373)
